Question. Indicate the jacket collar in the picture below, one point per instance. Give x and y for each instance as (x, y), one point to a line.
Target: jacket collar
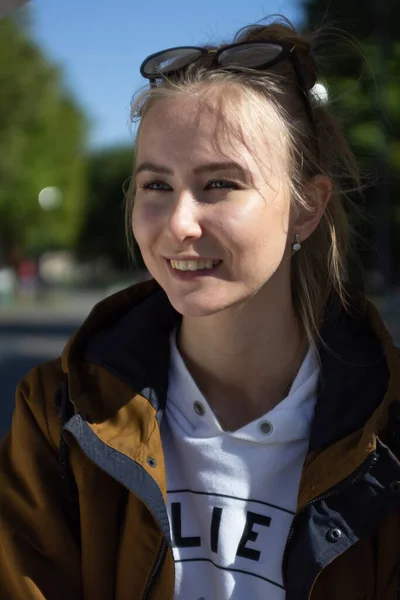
(128, 336)
(355, 354)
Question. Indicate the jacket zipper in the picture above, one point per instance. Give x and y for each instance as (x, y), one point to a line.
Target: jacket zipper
(349, 481)
(163, 548)
(157, 567)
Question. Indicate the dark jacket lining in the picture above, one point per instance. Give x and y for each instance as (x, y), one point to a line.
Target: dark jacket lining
(354, 374)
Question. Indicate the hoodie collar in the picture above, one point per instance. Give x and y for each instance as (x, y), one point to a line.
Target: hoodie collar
(127, 335)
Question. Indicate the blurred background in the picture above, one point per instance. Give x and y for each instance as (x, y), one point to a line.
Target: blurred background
(68, 71)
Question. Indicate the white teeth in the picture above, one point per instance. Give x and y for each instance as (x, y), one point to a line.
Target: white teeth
(193, 265)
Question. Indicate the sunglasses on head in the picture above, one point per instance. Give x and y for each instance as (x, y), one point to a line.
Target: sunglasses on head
(259, 55)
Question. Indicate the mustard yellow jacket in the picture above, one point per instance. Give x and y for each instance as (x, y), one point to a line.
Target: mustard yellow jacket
(83, 486)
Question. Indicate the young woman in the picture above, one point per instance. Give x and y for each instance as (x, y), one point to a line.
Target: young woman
(230, 429)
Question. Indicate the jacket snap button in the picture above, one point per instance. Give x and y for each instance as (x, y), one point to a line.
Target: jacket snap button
(374, 458)
(151, 462)
(395, 487)
(334, 535)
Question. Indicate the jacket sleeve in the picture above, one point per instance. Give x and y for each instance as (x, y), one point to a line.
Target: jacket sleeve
(39, 558)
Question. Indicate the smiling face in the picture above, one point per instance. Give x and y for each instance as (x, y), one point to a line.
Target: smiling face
(210, 216)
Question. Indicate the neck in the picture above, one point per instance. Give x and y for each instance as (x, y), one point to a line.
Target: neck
(244, 363)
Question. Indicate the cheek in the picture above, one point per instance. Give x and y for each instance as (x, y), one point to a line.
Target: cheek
(135, 222)
(141, 228)
(144, 216)
(149, 214)
(255, 230)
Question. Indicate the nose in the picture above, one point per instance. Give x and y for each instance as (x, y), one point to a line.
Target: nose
(184, 219)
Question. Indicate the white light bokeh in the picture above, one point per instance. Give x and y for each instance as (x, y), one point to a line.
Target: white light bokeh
(50, 198)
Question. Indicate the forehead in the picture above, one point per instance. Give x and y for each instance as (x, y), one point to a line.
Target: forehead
(187, 127)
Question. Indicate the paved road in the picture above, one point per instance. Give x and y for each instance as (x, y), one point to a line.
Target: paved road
(31, 334)
(22, 347)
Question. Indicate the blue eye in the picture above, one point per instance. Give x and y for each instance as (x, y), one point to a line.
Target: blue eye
(156, 186)
(221, 184)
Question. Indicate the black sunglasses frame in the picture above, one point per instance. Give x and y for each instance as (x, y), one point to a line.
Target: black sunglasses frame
(288, 52)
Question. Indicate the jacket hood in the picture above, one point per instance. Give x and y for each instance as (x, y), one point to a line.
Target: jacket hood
(127, 335)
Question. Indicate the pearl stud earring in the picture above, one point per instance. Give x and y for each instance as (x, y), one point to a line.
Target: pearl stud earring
(296, 246)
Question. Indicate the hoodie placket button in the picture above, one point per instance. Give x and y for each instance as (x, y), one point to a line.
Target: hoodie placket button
(266, 427)
(199, 408)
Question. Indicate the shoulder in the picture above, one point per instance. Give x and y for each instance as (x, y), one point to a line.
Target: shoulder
(36, 395)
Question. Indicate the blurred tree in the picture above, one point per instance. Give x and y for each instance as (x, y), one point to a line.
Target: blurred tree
(361, 57)
(354, 16)
(42, 134)
(103, 227)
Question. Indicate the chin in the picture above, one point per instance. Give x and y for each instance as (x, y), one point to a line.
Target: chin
(195, 310)
(196, 307)
(201, 304)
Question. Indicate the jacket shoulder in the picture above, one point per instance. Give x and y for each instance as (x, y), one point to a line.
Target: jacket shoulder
(39, 554)
(37, 390)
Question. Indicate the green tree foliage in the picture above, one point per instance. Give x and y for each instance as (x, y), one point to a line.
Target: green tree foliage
(360, 63)
(42, 134)
(103, 227)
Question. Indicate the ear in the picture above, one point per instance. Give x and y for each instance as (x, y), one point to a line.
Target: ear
(318, 192)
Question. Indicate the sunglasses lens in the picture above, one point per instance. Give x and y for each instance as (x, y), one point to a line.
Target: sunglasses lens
(170, 60)
(249, 55)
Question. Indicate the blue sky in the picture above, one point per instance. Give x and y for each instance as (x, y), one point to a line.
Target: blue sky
(101, 45)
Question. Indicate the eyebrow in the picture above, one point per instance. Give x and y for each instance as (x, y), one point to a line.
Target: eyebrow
(206, 168)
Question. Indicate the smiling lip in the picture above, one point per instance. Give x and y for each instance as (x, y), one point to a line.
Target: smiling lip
(188, 274)
(190, 258)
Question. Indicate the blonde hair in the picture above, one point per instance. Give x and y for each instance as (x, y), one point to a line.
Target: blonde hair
(321, 265)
